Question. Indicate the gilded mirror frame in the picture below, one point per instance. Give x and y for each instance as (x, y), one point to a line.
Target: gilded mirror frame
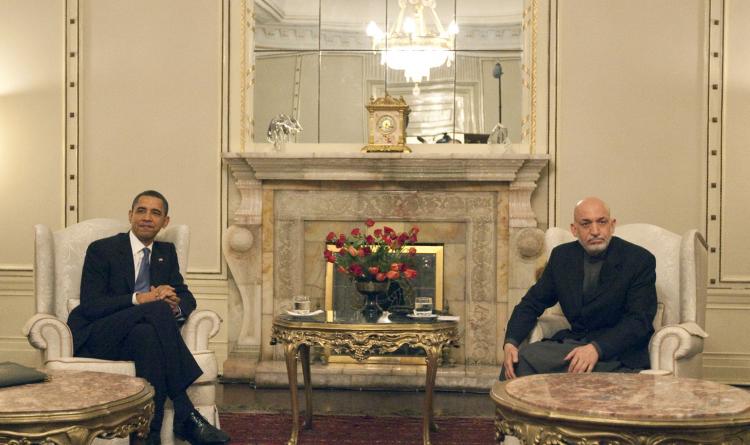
(529, 69)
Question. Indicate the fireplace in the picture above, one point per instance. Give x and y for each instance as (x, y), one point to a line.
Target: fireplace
(476, 206)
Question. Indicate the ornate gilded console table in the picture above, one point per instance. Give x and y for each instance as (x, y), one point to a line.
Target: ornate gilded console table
(620, 409)
(358, 340)
(74, 407)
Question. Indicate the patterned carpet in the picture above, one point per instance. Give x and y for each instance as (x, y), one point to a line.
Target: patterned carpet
(274, 429)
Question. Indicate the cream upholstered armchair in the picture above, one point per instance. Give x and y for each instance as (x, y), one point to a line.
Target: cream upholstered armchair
(677, 345)
(58, 265)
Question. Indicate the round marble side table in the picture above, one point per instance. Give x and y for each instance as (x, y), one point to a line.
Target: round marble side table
(74, 407)
(612, 408)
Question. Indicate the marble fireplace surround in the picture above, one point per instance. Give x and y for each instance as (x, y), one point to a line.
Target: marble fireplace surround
(477, 205)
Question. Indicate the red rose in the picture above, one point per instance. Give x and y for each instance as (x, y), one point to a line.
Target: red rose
(369, 222)
(356, 269)
(379, 233)
(410, 273)
(402, 267)
(392, 274)
(388, 229)
(355, 231)
(369, 239)
(361, 252)
(380, 277)
(395, 267)
(374, 270)
(367, 250)
(331, 236)
(339, 243)
(415, 230)
(412, 251)
(402, 238)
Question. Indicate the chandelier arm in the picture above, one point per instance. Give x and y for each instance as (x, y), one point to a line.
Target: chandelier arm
(399, 23)
(419, 16)
(438, 24)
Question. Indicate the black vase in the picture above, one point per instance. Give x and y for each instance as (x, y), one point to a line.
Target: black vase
(372, 290)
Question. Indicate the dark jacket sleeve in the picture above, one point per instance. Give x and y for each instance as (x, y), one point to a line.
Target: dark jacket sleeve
(96, 298)
(635, 327)
(538, 298)
(187, 300)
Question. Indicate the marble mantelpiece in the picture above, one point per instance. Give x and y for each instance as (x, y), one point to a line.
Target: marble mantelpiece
(479, 204)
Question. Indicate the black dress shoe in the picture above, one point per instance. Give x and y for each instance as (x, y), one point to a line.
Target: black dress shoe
(196, 430)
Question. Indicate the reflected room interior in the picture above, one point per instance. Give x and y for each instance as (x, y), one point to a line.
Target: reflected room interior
(322, 64)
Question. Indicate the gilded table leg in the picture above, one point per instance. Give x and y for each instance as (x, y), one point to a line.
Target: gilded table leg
(304, 356)
(428, 422)
(290, 353)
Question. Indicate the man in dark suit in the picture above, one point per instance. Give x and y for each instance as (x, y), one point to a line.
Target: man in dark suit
(133, 300)
(606, 288)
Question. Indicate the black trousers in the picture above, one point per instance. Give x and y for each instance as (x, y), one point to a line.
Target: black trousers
(148, 335)
(548, 356)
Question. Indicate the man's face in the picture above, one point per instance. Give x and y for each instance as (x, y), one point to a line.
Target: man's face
(593, 226)
(147, 218)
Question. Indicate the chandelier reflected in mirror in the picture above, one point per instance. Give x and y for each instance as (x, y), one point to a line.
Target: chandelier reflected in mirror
(417, 41)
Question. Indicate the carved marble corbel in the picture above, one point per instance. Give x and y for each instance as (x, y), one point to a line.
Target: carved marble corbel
(519, 201)
(242, 251)
(530, 243)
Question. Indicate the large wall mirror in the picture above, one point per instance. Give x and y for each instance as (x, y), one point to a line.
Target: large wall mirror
(319, 61)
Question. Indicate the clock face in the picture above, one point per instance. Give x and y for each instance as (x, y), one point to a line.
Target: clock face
(386, 124)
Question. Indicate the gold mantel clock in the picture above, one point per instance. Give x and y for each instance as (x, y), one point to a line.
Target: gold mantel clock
(386, 124)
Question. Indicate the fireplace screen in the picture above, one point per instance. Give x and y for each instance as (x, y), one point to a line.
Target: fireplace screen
(343, 300)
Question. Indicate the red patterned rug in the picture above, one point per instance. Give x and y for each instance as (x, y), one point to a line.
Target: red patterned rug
(274, 429)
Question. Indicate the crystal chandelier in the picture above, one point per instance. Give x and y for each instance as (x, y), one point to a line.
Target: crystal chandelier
(415, 43)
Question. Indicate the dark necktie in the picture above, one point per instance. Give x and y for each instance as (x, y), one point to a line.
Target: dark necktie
(143, 281)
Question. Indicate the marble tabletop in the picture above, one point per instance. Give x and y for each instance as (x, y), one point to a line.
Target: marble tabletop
(69, 391)
(630, 396)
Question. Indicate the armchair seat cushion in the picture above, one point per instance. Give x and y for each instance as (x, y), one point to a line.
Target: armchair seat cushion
(91, 364)
(207, 362)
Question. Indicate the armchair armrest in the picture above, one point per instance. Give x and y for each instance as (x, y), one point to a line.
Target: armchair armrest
(547, 325)
(199, 328)
(673, 344)
(50, 335)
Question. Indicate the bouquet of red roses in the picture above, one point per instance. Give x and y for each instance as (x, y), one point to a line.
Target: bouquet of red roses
(382, 255)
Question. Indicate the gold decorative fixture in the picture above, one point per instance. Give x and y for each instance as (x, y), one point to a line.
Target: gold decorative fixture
(417, 41)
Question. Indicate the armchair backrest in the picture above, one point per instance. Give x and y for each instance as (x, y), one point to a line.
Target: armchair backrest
(59, 255)
(680, 268)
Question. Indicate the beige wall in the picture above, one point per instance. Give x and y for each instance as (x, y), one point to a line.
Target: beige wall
(31, 170)
(629, 122)
(31, 129)
(631, 118)
(148, 111)
(729, 170)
